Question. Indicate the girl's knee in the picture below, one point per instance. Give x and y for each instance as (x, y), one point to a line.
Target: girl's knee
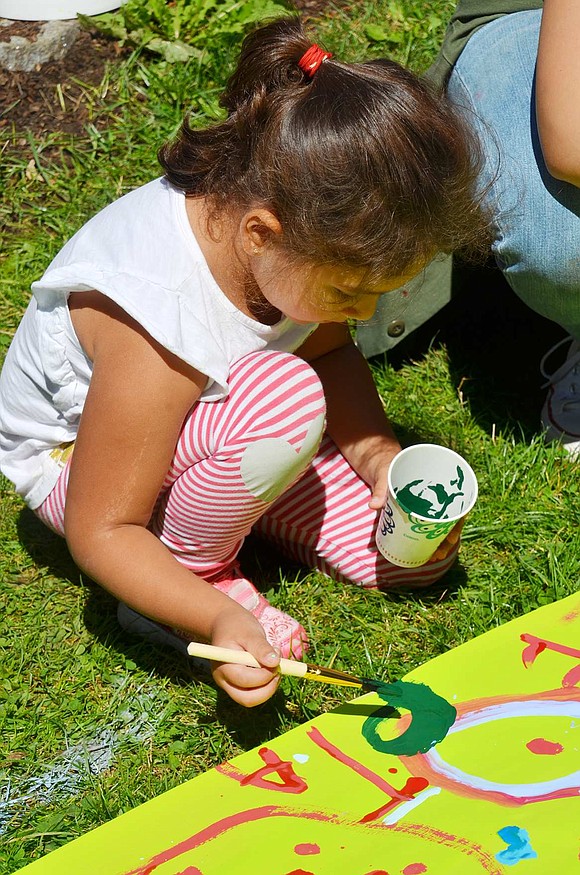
(288, 420)
(269, 361)
(279, 382)
(269, 465)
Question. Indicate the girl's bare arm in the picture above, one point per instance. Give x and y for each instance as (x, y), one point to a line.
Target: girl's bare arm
(356, 419)
(138, 398)
(558, 89)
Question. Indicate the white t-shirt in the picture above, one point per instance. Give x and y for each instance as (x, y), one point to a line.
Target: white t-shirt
(142, 253)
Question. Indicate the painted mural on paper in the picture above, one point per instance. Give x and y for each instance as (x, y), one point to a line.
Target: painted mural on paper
(470, 765)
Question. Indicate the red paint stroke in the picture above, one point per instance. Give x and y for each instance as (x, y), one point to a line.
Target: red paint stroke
(446, 839)
(300, 872)
(572, 677)
(393, 771)
(415, 869)
(530, 652)
(538, 645)
(408, 792)
(572, 615)
(377, 872)
(470, 706)
(191, 870)
(456, 787)
(541, 746)
(317, 737)
(291, 782)
(306, 848)
(412, 787)
(418, 830)
(294, 784)
(220, 827)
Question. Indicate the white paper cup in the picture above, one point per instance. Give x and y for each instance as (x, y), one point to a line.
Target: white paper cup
(430, 489)
(54, 10)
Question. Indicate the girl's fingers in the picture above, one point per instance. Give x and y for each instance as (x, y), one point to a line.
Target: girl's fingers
(253, 697)
(242, 677)
(247, 686)
(379, 495)
(446, 546)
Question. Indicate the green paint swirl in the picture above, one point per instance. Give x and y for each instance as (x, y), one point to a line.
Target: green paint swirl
(431, 718)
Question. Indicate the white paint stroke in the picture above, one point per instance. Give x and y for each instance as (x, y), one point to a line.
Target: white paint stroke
(80, 762)
(300, 757)
(403, 809)
(504, 711)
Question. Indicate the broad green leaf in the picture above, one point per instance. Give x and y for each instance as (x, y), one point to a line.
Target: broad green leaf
(173, 52)
(377, 34)
(108, 25)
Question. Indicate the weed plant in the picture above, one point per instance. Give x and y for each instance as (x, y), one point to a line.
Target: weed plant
(94, 722)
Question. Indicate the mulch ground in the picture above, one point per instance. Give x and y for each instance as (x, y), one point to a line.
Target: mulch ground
(30, 101)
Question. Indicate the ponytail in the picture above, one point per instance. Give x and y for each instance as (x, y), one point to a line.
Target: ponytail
(269, 61)
(362, 163)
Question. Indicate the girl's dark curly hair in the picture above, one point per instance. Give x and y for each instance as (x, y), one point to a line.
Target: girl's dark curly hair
(363, 164)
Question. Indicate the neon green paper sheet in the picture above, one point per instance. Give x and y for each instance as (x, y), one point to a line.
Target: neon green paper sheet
(470, 765)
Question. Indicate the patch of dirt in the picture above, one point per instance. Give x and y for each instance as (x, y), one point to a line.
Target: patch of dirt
(27, 29)
(48, 98)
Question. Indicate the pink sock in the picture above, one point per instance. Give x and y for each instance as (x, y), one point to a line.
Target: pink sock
(282, 631)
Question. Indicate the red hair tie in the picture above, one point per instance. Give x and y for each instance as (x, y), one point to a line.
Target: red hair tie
(312, 59)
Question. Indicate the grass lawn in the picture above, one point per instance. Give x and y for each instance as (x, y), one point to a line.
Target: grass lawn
(93, 722)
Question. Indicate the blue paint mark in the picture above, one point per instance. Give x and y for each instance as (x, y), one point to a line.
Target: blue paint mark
(518, 846)
(300, 757)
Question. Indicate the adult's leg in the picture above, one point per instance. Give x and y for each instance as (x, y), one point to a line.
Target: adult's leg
(537, 217)
(324, 521)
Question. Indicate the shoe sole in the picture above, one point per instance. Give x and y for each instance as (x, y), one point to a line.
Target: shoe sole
(142, 627)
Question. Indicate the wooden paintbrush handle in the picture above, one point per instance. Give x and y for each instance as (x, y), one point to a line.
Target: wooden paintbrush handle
(242, 657)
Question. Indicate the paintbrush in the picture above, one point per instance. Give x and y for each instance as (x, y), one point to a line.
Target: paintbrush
(291, 667)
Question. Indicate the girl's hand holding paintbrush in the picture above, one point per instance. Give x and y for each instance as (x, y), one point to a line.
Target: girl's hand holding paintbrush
(249, 686)
(289, 667)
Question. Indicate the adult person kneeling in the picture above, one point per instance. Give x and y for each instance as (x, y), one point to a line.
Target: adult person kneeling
(513, 66)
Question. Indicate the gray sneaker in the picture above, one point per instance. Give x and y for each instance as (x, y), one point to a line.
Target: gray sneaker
(157, 633)
(561, 410)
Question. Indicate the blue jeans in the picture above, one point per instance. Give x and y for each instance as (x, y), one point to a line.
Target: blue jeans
(536, 217)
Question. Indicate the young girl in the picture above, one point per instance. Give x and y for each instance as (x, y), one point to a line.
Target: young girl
(184, 372)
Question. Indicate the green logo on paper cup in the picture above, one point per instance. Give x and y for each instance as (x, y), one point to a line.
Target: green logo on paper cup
(432, 500)
(432, 530)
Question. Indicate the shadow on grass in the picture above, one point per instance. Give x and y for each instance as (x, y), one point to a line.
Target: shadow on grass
(494, 343)
(263, 563)
(248, 727)
(46, 548)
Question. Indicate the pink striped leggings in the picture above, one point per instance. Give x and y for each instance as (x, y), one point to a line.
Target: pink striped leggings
(259, 460)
